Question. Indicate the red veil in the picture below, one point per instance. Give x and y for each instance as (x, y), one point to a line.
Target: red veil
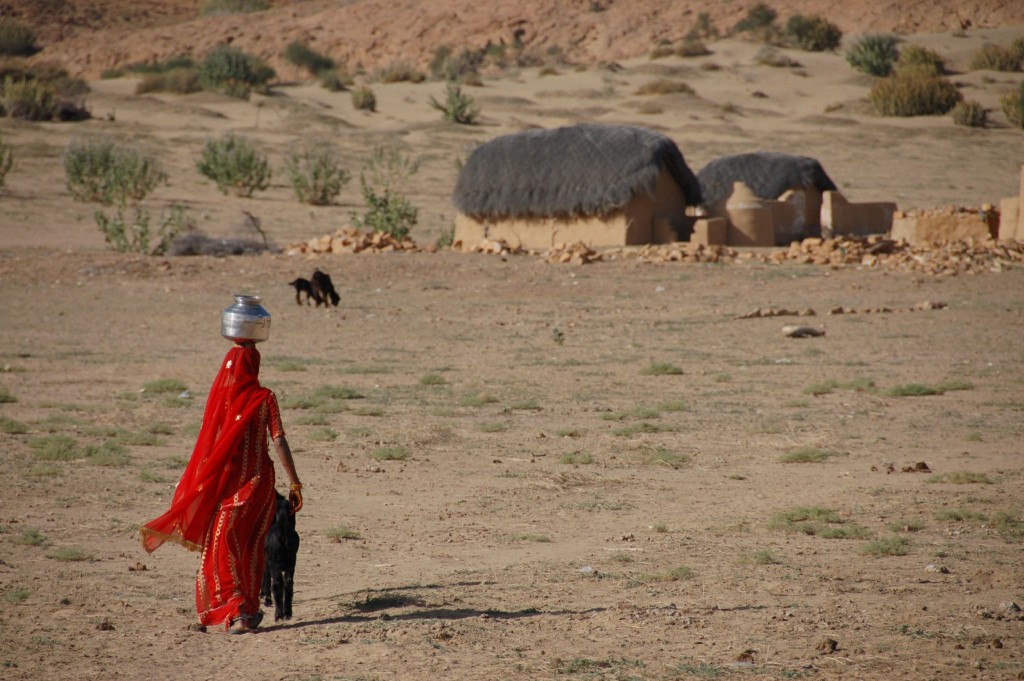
(235, 396)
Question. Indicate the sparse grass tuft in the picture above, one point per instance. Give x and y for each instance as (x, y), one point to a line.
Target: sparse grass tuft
(323, 435)
(874, 54)
(665, 86)
(477, 400)
(15, 596)
(220, 7)
(108, 454)
(363, 99)
(762, 557)
(813, 33)
(970, 114)
(338, 533)
(577, 458)
(961, 515)
(12, 426)
(56, 448)
(432, 379)
(918, 57)
(164, 385)
(663, 457)
(805, 454)
(887, 546)
(492, 427)
(1012, 104)
(922, 390)
(992, 57)
(805, 519)
(913, 92)
(70, 554)
(641, 428)
(32, 538)
(397, 453)
(961, 478)
(661, 369)
(678, 574)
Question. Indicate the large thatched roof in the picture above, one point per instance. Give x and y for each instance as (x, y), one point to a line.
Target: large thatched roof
(768, 174)
(579, 170)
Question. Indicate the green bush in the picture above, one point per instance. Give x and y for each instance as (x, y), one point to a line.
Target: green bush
(315, 174)
(993, 57)
(235, 165)
(970, 114)
(813, 34)
(218, 7)
(28, 99)
(102, 171)
(6, 160)
(302, 55)
(1013, 106)
(457, 107)
(387, 209)
(16, 38)
(181, 81)
(235, 73)
(131, 232)
(917, 57)
(913, 93)
(364, 99)
(874, 54)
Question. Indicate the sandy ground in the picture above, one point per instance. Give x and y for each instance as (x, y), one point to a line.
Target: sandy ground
(594, 485)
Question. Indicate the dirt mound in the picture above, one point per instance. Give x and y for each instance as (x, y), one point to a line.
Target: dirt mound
(91, 36)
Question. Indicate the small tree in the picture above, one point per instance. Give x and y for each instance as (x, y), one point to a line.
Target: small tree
(457, 107)
(315, 174)
(235, 165)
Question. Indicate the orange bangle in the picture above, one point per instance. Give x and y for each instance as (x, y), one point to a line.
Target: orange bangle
(296, 486)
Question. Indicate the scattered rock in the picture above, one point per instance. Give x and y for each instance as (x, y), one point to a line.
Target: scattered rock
(1009, 606)
(746, 656)
(352, 241)
(941, 569)
(105, 625)
(196, 626)
(919, 467)
(138, 567)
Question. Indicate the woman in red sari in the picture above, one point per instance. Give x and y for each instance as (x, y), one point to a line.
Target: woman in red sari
(224, 502)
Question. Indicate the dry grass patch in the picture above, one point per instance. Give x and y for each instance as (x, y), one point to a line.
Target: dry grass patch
(678, 574)
(391, 454)
(961, 478)
(806, 454)
(665, 86)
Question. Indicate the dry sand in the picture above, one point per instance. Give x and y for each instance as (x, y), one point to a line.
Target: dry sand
(564, 511)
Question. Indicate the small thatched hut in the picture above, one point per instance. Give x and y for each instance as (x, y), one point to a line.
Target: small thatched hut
(604, 185)
(769, 175)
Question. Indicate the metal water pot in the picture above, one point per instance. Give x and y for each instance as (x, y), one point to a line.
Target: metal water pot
(246, 320)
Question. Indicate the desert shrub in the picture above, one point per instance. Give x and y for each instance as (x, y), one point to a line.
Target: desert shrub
(874, 54)
(664, 86)
(993, 57)
(759, 17)
(970, 114)
(178, 81)
(401, 72)
(364, 99)
(1013, 106)
(769, 55)
(457, 107)
(662, 51)
(463, 67)
(17, 39)
(132, 231)
(219, 7)
(692, 48)
(180, 61)
(335, 79)
(100, 170)
(28, 99)
(921, 58)
(913, 93)
(235, 73)
(6, 160)
(315, 174)
(702, 28)
(813, 34)
(235, 165)
(387, 209)
(302, 55)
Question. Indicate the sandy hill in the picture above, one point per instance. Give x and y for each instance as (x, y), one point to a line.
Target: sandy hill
(89, 36)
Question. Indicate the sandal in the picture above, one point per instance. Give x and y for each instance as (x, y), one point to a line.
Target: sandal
(239, 625)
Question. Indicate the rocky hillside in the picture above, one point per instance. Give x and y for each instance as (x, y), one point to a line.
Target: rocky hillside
(89, 36)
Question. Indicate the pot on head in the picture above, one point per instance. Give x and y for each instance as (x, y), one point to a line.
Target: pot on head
(246, 321)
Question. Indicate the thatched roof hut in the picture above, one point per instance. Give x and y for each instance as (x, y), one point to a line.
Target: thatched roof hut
(562, 184)
(768, 174)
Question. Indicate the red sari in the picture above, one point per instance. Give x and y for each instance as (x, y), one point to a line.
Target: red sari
(224, 502)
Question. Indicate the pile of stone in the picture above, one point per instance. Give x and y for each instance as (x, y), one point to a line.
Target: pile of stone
(492, 247)
(352, 241)
(683, 251)
(965, 256)
(574, 254)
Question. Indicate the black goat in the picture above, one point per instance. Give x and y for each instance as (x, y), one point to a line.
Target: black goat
(306, 286)
(280, 551)
(323, 285)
